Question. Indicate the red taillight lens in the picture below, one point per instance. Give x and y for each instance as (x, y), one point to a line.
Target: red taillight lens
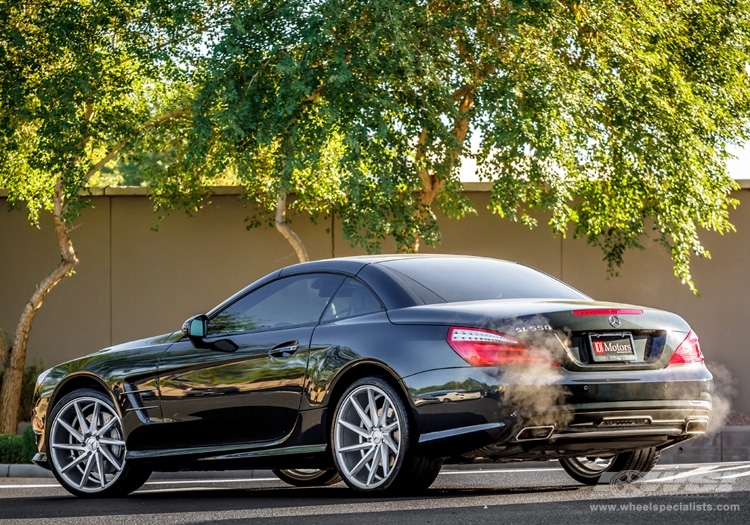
(481, 347)
(689, 351)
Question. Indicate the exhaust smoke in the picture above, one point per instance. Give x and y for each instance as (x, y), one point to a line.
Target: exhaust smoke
(725, 389)
(534, 391)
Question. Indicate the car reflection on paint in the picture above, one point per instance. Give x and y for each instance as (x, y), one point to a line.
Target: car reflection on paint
(376, 371)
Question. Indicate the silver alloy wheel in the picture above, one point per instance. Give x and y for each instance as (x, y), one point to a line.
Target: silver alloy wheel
(86, 445)
(367, 434)
(590, 467)
(302, 473)
(307, 477)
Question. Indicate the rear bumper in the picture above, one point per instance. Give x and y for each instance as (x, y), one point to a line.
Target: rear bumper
(480, 412)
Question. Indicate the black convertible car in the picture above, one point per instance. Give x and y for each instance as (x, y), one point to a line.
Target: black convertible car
(377, 370)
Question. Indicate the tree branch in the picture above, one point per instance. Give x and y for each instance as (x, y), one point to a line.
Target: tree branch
(109, 156)
(428, 179)
(119, 145)
(461, 123)
(286, 231)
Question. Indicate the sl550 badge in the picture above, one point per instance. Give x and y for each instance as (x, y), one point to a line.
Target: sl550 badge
(533, 328)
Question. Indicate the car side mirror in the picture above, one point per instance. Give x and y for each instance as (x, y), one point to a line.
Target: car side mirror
(196, 328)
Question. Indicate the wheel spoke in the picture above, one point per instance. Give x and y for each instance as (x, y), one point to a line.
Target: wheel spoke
(372, 406)
(87, 471)
(112, 442)
(373, 467)
(65, 446)
(73, 463)
(363, 461)
(358, 446)
(388, 440)
(73, 432)
(81, 419)
(106, 427)
(112, 460)
(362, 415)
(388, 428)
(100, 468)
(384, 458)
(355, 428)
(384, 414)
(95, 419)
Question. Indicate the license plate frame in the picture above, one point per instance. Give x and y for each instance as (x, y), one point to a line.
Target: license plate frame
(612, 348)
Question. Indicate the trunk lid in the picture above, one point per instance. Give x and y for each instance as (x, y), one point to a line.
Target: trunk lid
(581, 335)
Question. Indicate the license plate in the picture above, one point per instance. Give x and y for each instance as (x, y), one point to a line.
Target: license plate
(612, 347)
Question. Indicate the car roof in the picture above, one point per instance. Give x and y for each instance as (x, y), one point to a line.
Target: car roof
(353, 264)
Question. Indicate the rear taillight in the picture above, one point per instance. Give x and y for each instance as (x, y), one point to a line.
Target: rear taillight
(689, 351)
(480, 347)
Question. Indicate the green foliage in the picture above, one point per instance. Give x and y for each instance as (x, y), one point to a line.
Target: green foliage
(16, 449)
(30, 374)
(616, 117)
(81, 80)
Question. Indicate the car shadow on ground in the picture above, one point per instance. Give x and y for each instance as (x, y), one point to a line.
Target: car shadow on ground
(165, 500)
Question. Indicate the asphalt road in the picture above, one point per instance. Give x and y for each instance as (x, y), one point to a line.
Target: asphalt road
(684, 494)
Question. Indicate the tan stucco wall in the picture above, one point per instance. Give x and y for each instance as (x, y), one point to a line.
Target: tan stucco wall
(133, 282)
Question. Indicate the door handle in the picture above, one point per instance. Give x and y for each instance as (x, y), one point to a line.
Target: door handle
(284, 349)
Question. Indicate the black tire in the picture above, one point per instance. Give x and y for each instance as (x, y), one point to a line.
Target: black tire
(423, 473)
(86, 447)
(643, 460)
(589, 470)
(372, 442)
(308, 477)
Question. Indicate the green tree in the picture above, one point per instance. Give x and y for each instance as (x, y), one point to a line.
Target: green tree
(613, 116)
(80, 82)
(258, 120)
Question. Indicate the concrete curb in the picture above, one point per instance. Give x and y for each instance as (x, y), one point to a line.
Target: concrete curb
(23, 471)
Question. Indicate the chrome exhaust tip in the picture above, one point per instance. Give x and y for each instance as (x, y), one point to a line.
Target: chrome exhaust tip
(535, 433)
(696, 426)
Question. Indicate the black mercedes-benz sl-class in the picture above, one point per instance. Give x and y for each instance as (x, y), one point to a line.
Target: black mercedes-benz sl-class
(377, 370)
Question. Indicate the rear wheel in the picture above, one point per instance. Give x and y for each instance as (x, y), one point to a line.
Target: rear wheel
(588, 470)
(422, 474)
(86, 447)
(312, 477)
(373, 445)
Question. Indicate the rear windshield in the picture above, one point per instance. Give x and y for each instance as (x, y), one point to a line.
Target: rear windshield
(448, 279)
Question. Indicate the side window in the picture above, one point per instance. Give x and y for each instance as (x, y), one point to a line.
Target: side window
(292, 301)
(352, 299)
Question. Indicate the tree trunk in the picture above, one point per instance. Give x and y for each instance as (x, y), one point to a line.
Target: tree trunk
(4, 348)
(431, 185)
(15, 360)
(10, 396)
(286, 231)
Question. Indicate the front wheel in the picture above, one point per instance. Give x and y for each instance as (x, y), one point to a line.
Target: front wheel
(86, 447)
(589, 470)
(304, 477)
